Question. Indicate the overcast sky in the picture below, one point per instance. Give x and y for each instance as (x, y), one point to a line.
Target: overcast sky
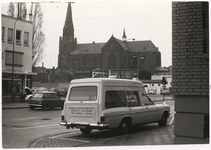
(97, 21)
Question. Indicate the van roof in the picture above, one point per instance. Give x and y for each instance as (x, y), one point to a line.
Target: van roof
(108, 80)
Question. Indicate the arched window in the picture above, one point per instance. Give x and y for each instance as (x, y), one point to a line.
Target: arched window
(84, 61)
(66, 61)
(94, 61)
(62, 62)
(65, 49)
(112, 61)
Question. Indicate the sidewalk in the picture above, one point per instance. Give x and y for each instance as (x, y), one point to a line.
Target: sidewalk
(148, 135)
(8, 104)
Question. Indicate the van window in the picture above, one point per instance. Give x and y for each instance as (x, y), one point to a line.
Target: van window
(147, 101)
(115, 99)
(83, 93)
(133, 98)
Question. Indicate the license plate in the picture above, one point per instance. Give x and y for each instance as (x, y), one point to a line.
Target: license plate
(81, 127)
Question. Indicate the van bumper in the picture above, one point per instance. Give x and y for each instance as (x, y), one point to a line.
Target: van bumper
(80, 125)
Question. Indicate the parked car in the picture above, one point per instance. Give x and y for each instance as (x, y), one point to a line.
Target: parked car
(165, 92)
(28, 94)
(63, 91)
(151, 91)
(45, 100)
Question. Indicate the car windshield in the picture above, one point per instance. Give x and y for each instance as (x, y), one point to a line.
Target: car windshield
(83, 93)
(38, 95)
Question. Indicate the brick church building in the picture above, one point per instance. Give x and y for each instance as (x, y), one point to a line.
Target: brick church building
(114, 57)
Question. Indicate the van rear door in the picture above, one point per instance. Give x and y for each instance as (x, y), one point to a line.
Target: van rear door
(81, 105)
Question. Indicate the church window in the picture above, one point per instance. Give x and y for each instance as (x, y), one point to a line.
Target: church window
(84, 61)
(65, 49)
(66, 61)
(112, 61)
(94, 61)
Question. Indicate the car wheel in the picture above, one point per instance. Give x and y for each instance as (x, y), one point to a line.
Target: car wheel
(86, 131)
(31, 107)
(163, 120)
(124, 127)
(44, 106)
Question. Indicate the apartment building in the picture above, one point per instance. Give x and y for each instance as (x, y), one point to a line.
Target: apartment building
(19, 69)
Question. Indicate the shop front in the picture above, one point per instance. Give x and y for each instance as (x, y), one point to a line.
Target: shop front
(20, 80)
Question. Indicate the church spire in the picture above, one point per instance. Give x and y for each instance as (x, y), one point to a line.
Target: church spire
(124, 37)
(68, 30)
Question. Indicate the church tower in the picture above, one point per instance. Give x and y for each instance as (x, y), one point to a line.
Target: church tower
(124, 37)
(67, 41)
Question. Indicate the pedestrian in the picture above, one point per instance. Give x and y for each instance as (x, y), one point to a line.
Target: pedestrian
(13, 93)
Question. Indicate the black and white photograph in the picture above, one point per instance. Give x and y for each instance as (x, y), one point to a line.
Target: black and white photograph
(105, 74)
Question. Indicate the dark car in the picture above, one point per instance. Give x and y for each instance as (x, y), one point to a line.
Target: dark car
(45, 100)
(165, 92)
(63, 91)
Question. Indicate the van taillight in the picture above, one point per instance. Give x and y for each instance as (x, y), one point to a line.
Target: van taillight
(62, 118)
(102, 119)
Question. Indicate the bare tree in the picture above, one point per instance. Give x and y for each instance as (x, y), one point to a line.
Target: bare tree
(22, 10)
(11, 9)
(38, 37)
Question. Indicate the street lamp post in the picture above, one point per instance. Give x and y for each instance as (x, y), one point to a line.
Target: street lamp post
(120, 67)
(141, 58)
(14, 42)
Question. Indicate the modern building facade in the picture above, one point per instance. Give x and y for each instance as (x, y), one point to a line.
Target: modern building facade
(19, 69)
(121, 57)
(190, 71)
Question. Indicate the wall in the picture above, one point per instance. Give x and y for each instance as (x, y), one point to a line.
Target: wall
(190, 70)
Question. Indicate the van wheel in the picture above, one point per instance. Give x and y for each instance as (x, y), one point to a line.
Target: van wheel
(86, 131)
(163, 120)
(31, 107)
(124, 127)
(44, 106)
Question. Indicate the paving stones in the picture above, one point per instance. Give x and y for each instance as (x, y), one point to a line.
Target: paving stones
(146, 135)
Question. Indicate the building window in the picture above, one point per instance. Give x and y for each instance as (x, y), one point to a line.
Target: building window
(10, 36)
(17, 58)
(18, 37)
(2, 34)
(26, 39)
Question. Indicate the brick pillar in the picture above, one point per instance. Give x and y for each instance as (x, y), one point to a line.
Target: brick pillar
(190, 71)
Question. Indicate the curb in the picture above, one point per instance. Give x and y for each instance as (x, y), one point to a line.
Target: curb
(14, 107)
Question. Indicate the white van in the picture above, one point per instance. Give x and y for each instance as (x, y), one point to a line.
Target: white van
(102, 103)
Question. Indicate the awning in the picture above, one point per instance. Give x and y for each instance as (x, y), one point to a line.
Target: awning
(19, 72)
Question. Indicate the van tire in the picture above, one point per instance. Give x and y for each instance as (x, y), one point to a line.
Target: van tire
(163, 120)
(124, 126)
(86, 131)
(31, 107)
